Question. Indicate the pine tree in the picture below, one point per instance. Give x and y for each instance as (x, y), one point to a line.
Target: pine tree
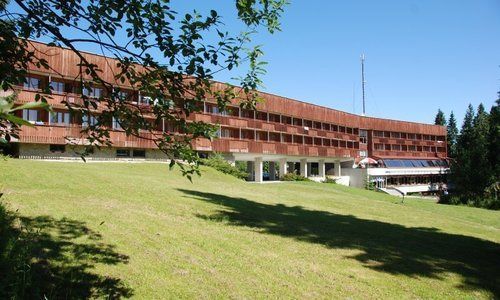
(461, 168)
(452, 132)
(481, 171)
(494, 140)
(440, 118)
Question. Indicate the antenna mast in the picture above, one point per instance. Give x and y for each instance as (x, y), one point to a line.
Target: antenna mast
(363, 80)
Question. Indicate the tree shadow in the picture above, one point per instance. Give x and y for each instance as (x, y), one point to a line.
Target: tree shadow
(47, 258)
(385, 247)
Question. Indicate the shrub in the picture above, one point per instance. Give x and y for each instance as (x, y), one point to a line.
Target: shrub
(217, 162)
(329, 180)
(294, 177)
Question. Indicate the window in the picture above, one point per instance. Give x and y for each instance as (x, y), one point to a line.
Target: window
(60, 118)
(31, 115)
(225, 133)
(122, 153)
(362, 153)
(396, 147)
(377, 133)
(57, 148)
(116, 124)
(32, 83)
(139, 153)
(88, 120)
(122, 95)
(395, 135)
(92, 92)
(57, 86)
(379, 147)
(363, 136)
(145, 100)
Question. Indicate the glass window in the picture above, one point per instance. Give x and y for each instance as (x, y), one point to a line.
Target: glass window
(363, 136)
(92, 92)
(122, 153)
(116, 124)
(57, 86)
(60, 118)
(31, 115)
(145, 100)
(32, 83)
(139, 153)
(57, 148)
(86, 121)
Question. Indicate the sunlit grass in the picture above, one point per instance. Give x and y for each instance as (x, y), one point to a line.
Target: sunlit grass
(222, 237)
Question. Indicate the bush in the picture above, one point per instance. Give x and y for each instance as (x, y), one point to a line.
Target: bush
(329, 180)
(293, 177)
(217, 162)
(482, 201)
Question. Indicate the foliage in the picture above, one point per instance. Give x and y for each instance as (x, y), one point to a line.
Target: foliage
(329, 180)
(9, 123)
(474, 171)
(452, 135)
(440, 118)
(293, 177)
(217, 162)
(171, 58)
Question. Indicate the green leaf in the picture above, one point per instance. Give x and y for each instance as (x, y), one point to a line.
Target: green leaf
(17, 120)
(32, 105)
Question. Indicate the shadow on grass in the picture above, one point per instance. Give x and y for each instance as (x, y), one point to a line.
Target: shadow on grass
(45, 258)
(385, 247)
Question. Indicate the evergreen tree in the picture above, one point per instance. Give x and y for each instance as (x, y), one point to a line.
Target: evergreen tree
(494, 140)
(440, 118)
(461, 168)
(452, 136)
(481, 167)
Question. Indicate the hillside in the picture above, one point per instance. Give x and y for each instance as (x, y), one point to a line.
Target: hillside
(141, 230)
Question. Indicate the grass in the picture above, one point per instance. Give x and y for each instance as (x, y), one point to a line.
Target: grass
(140, 230)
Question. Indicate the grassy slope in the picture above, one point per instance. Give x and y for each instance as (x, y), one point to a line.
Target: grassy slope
(223, 237)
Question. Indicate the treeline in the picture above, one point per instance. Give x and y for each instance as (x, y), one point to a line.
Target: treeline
(475, 156)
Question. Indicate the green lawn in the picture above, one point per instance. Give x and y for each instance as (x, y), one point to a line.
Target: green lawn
(141, 230)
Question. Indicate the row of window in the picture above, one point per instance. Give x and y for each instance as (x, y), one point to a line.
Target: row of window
(33, 83)
(245, 134)
(411, 148)
(281, 119)
(414, 163)
(407, 136)
(54, 148)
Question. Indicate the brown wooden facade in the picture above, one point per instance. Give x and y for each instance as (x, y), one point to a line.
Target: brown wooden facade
(279, 126)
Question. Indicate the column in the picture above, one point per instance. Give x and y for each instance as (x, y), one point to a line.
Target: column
(258, 166)
(272, 170)
(283, 167)
(321, 168)
(338, 168)
(250, 170)
(309, 169)
(303, 167)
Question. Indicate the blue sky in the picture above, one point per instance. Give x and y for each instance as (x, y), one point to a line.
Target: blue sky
(420, 55)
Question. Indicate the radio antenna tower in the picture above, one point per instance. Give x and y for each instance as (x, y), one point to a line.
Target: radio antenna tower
(363, 80)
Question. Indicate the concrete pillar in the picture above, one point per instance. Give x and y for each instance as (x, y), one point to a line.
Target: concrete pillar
(321, 168)
(258, 164)
(303, 167)
(309, 169)
(283, 167)
(272, 170)
(250, 170)
(338, 168)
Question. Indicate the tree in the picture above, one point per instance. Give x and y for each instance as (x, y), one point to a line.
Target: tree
(481, 170)
(461, 168)
(452, 133)
(164, 55)
(494, 140)
(440, 118)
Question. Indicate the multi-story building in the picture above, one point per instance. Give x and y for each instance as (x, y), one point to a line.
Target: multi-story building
(291, 135)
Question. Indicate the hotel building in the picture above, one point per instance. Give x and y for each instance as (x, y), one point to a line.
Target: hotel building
(291, 135)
